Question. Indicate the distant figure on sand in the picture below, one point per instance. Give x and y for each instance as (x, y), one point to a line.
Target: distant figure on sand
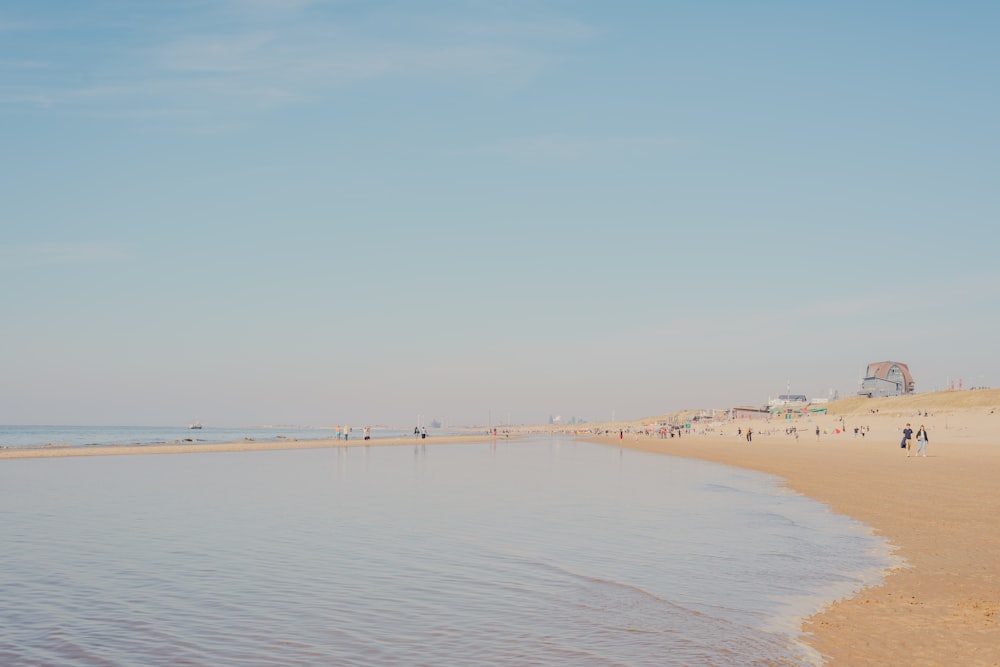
(922, 441)
(817, 432)
(749, 434)
(907, 438)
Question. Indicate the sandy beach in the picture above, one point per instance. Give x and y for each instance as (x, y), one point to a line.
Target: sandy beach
(941, 513)
(241, 446)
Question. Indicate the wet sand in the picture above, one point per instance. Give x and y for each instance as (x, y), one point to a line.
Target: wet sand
(942, 513)
(241, 446)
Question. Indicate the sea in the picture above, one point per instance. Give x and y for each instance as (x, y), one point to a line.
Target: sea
(89, 436)
(536, 551)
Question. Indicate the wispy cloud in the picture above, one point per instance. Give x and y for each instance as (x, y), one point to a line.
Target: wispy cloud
(563, 147)
(274, 53)
(38, 100)
(20, 255)
(546, 30)
(304, 61)
(282, 6)
(23, 64)
(7, 25)
(218, 54)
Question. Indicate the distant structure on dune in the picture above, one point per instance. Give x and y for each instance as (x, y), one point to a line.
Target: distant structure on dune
(887, 378)
(788, 400)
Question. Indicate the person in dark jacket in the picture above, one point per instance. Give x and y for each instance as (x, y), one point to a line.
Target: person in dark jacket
(921, 441)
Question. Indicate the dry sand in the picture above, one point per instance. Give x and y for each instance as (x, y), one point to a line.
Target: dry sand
(942, 513)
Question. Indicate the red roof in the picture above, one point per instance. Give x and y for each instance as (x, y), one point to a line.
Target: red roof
(881, 370)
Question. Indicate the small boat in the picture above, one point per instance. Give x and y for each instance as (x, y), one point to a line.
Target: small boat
(196, 426)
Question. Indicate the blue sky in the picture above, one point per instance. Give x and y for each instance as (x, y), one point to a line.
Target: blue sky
(317, 212)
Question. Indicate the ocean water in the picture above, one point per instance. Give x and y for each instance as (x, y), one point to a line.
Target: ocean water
(541, 551)
(83, 436)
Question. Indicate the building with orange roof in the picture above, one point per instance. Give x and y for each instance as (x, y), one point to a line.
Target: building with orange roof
(887, 378)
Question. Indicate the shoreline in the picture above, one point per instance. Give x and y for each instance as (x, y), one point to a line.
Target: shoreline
(941, 515)
(43, 452)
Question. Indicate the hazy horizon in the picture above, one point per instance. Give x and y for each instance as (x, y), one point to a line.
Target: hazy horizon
(317, 212)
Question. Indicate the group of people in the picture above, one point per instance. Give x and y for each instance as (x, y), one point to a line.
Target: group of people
(907, 441)
(344, 432)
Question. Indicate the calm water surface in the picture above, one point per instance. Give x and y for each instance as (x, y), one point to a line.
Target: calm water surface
(83, 436)
(535, 552)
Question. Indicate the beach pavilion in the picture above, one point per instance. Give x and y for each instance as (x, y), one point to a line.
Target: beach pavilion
(887, 378)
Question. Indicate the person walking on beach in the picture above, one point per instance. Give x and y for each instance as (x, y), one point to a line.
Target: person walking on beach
(817, 431)
(907, 438)
(749, 434)
(921, 441)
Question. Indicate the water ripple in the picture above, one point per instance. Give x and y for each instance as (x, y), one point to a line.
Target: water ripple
(530, 554)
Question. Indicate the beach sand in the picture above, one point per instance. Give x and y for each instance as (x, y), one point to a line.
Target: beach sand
(941, 513)
(241, 446)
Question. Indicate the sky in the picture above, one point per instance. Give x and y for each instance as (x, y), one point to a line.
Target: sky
(316, 212)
